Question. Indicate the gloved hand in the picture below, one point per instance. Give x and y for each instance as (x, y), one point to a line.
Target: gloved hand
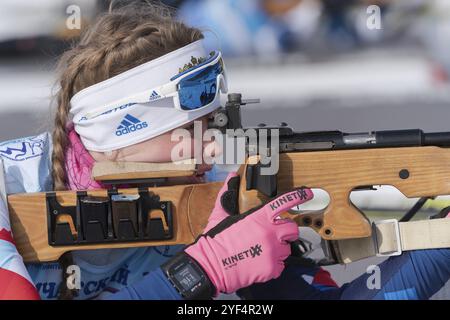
(238, 250)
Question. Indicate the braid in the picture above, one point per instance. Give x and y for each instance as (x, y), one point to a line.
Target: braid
(59, 146)
(59, 135)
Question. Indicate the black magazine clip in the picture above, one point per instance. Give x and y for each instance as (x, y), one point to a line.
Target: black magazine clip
(125, 218)
(94, 213)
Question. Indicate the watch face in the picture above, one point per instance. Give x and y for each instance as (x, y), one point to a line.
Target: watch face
(187, 277)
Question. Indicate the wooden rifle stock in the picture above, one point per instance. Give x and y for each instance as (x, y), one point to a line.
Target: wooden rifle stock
(415, 171)
(192, 205)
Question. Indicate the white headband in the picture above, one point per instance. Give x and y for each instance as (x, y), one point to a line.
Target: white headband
(129, 124)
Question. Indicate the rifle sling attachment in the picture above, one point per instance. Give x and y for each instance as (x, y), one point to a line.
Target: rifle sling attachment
(391, 238)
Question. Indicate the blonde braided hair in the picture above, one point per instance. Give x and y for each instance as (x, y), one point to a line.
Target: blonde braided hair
(121, 39)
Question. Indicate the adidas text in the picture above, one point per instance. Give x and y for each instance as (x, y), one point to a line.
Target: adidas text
(130, 124)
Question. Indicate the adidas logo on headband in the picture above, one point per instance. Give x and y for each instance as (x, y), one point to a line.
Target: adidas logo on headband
(154, 96)
(130, 124)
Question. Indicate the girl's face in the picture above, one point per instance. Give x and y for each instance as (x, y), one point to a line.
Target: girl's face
(158, 149)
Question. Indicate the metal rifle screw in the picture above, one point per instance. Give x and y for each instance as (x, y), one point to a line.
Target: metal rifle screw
(55, 212)
(163, 206)
(328, 232)
(403, 174)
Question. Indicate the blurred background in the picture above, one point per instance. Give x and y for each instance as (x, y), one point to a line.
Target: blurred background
(350, 65)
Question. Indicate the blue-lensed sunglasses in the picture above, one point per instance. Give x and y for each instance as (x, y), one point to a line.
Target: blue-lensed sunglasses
(193, 89)
(199, 86)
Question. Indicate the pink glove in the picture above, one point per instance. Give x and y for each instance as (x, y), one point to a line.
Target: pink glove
(227, 195)
(239, 250)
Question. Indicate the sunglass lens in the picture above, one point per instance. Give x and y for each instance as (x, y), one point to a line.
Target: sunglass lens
(200, 88)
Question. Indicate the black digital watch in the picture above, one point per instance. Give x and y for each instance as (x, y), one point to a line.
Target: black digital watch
(188, 277)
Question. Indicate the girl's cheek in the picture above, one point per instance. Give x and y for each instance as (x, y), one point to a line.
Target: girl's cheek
(172, 146)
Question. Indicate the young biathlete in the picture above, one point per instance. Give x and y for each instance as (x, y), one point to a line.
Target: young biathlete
(127, 84)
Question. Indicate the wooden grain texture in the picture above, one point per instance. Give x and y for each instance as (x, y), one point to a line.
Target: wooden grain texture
(104, 171)
(339, 172)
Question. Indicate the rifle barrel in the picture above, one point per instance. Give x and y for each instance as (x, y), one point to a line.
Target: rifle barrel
(337, 140)
(441, 139)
